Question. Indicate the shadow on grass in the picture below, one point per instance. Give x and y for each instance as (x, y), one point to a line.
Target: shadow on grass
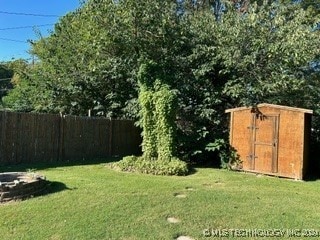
(37, 166)
(192, 170)
(193, 165)
(54, 187)
(50, 188)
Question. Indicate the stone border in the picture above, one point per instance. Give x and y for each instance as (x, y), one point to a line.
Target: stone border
(20, 185)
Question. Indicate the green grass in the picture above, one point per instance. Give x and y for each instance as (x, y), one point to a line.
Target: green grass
(95, 202)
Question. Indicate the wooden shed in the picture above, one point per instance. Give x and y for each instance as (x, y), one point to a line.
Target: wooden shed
(272, 139)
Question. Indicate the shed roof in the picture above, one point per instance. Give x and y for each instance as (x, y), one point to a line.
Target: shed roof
(303, 110)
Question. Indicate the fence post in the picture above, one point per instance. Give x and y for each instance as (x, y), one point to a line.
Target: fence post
(3, 136)
(110, 137)
(61, 138)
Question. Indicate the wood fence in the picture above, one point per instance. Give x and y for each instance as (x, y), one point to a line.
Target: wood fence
(29, 137)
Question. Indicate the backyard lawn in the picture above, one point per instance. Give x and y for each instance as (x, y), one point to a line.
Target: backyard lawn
(95, 202)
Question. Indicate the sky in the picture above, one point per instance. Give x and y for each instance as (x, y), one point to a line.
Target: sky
(18, 18)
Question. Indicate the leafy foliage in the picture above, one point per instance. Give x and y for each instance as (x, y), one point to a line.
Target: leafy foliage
(229, 158)
(20, 71)
(149, 144)
(158, 114)
(5, 80)
(156, 167)
(261, 54)
(165, 113)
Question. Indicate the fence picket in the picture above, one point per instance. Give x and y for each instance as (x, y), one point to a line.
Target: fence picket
(31, 137)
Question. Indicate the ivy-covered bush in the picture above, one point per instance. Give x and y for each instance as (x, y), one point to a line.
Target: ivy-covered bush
(158, 104)
(155, 167)
(165, 127)
(149, 143)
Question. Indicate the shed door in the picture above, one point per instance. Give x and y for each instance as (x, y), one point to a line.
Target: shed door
(264, 143)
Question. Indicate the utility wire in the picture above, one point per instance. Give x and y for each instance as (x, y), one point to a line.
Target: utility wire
(13, 40)
(12, 28)
(29, 14)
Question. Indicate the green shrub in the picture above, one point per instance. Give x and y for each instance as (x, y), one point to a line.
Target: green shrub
(155, 167)
(229, 158)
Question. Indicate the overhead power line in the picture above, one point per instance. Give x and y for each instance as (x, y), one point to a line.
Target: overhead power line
(13, 40)
(28, 14)
(12, 28)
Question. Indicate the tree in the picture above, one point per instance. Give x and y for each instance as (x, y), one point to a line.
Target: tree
(5, 80)
(17, 70)
(263, 53)
(91, 59)
(81, 65)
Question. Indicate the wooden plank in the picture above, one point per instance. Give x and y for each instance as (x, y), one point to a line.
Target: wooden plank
(31, 138)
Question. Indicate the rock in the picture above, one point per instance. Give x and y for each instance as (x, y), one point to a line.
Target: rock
(184, 238)
(173, 220)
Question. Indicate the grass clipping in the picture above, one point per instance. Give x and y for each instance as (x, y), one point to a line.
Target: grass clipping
(155, 167)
